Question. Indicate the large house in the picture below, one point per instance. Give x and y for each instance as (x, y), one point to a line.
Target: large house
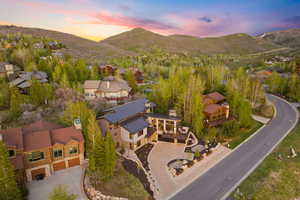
(216, 110)
(111, 89)
(134, 124)
(39, 149)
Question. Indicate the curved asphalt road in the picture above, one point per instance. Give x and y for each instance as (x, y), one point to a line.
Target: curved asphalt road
(222, 179)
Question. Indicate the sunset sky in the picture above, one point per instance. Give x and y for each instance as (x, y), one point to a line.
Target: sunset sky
(97, 19)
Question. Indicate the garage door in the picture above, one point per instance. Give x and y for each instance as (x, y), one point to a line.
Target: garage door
(38, 174)
(74, 162)
(59, 166)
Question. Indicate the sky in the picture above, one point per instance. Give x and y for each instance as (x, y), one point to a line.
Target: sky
(98, 19)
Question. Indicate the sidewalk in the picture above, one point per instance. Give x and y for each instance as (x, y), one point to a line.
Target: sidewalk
(261, 119)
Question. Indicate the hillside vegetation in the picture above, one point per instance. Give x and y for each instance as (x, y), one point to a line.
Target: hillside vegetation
(76, 46)
(139, 41)
(289, 38)
(142, 40)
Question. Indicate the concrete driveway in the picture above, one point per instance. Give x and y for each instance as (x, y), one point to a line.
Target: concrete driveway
(163, 152)
(39, 190)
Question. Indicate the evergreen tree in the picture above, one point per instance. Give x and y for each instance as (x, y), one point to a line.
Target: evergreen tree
(64, 82)
(4, 95)
(15, 103)
(8, 185)
(110, 157)
(61, 193)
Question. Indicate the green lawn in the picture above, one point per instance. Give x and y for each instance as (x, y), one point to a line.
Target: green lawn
(278, 177)
(243, 134)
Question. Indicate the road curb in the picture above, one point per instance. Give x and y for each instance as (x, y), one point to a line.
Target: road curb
(268, 153)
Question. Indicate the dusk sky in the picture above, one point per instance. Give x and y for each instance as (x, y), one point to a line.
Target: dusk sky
(103, 18)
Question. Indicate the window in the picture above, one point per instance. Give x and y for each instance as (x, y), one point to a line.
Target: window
(87, 94)
(57, 153)
(35, 156)
(72, 150)
(11, 153)
(130, 136)
(140, 133)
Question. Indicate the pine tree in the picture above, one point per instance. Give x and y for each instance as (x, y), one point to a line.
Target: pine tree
(61, 193)
(15, 103)
(8, 186)
(110, 157)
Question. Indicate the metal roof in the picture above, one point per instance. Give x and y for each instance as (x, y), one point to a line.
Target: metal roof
(122, 112)
(135, 125)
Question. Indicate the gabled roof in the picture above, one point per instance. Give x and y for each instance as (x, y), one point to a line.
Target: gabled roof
(135, 125)
(125, 111)
(91, 84)
(13, 137)
(65, 135)
(40, 126)
(37, 140)
(215, 96)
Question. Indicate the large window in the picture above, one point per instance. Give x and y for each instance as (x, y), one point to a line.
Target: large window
(73, 150)
(35, 156)
(11, 153)
(57, 153)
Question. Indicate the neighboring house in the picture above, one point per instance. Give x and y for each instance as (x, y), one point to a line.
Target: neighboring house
(216, 110)
(134, 124)
(139, 75)
(111, 89)
(23, 80)
(39, 149)
(107, 70)
(8, 70)
(263, 74)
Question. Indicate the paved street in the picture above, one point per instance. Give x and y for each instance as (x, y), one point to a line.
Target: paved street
(223, 178)
(39, 190)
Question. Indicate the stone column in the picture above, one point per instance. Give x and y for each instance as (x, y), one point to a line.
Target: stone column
(175, 127)
(165, 126)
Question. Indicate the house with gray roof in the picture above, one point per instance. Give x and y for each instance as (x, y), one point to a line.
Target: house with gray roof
(134, 124)
(23, 80)
(111, 89)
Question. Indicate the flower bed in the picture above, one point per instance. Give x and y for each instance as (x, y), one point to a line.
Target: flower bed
(143, 154)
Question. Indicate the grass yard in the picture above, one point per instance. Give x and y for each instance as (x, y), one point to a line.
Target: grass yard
(277, 178)
(124, 185)
(243, 134)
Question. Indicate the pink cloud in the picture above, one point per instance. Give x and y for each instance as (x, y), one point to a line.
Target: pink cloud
(191, 23)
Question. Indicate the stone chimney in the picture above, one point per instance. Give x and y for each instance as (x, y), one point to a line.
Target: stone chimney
(77, 124)
(107, 84)
(172, 113)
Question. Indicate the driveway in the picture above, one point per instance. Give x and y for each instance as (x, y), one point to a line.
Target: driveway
(163, 152)
(71, 177)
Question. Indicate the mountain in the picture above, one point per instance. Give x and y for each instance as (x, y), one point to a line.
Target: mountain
(76, 46)
(141, 40)
(288, 38)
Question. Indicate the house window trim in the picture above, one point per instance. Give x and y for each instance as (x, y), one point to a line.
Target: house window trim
(73, 153)
(57, 150)
(30, 155)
